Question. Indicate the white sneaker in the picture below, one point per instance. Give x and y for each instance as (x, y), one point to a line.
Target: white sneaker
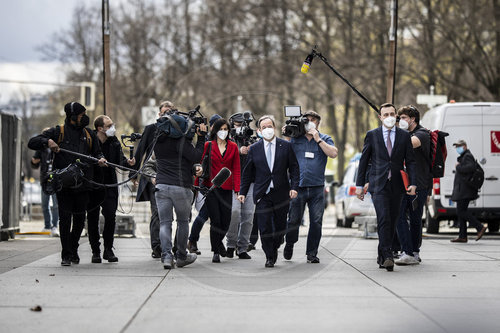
(416, 255)
(45, 230)
(406, 260)
(54, 232)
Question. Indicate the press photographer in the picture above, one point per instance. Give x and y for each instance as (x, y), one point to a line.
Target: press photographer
(312, 149)
(69, 179)
(240, 228)
(175, 158)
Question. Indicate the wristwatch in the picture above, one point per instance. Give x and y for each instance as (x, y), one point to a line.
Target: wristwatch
(318, 142)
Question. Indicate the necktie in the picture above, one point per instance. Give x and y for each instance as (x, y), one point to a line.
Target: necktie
(389, 149)
(268, 155)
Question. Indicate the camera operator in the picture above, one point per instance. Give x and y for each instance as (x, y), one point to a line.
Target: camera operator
(146, 190)
(105, 197)
(72, 200)
(240, 228)
(175, 158)
(312, 150)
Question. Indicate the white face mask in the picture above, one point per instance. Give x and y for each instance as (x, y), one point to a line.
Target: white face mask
(389, 122)
(268, 133)
(222, 134)
(403, 124)
(310, 126)
(111, 131)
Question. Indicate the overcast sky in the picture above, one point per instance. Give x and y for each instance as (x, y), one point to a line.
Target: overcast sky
(24, 25)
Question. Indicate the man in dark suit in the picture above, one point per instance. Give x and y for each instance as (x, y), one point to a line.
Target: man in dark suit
(272, 167)
(146, 190)
(386, 151)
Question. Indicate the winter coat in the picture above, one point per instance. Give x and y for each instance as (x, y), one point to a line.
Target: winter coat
(461, 188)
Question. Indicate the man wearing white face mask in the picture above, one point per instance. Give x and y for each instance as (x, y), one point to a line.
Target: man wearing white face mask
(273, 168)
(105, 198)
(410, 234)
(387, 149)
(312, 151)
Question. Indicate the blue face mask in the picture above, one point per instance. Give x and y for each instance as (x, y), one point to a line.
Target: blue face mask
(460, 150)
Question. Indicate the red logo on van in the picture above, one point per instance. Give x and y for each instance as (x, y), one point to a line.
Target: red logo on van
(495, 141)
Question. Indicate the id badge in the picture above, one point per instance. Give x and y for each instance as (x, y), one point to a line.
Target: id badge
(309, 155)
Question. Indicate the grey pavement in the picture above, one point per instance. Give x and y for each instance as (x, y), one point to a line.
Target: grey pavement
(455, 289)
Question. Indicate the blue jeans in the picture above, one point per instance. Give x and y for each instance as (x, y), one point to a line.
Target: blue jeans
(198, 223)
(314, 197)
(240, 229)
(410, 234)
(50, 215)
(168, 198)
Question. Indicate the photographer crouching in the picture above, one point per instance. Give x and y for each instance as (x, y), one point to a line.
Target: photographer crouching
(69, 178)
(176, 158)
(105, 197)
(312, 149)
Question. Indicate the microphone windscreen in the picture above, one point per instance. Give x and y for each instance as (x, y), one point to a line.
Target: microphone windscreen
(221, 177)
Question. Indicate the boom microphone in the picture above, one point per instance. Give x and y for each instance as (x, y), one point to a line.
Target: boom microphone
(307, 63)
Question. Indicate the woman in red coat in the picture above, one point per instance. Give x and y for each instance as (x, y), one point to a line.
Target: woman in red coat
(223, 153)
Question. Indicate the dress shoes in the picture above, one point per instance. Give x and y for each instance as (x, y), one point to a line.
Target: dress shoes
(109, 255)
(96, 258)
(312, 260)
(193, 247)
(66, 262)
(222, 251)
(75, 258)
(481, 233)
(244, 255)
(459, 240)
(230, 252)
(288, 251)
(389, 264)
(216, 258)
(250, 247)
(269, 263)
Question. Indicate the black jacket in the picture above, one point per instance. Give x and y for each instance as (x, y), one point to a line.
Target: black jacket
(142, 152)
(45, 156)
(461, 188)
(112, 150)
(75, 140)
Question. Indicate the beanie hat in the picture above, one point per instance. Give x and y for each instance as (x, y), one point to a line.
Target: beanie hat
(74, 109)
(213, 119)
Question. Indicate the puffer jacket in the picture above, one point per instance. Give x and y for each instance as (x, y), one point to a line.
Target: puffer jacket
(461, 188)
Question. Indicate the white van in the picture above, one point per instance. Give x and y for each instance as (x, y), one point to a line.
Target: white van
(479, 125)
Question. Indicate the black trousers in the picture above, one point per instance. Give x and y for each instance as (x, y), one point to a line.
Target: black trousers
(219, 203)
(387, 204)
(463, 216)
(271, 213)
(254, 237)
(107, 199)
(72, 207)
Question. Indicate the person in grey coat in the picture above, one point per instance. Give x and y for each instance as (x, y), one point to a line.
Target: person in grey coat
(463, 193)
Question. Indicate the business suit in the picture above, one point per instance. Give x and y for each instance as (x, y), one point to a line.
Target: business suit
(387, 189)
(272, 203)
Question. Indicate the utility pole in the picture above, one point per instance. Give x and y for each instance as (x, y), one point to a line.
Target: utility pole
(393, 33)
(105, 57)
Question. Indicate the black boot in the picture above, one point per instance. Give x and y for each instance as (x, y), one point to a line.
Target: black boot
(96, 257)
(109, 255)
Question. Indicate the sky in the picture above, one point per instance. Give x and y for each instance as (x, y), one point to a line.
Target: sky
(24, 25)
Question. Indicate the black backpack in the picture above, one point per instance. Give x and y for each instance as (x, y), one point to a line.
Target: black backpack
(477, 178)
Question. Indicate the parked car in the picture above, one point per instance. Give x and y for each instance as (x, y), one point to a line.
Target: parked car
(479, 125)
(347, 205)
(31, 193)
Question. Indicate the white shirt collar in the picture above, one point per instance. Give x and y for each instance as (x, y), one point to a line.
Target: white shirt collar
(273, 141)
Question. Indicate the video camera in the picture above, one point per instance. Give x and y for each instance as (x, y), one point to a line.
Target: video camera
(186, 123)
(243, 135)
(295, 126)
(128, 141)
